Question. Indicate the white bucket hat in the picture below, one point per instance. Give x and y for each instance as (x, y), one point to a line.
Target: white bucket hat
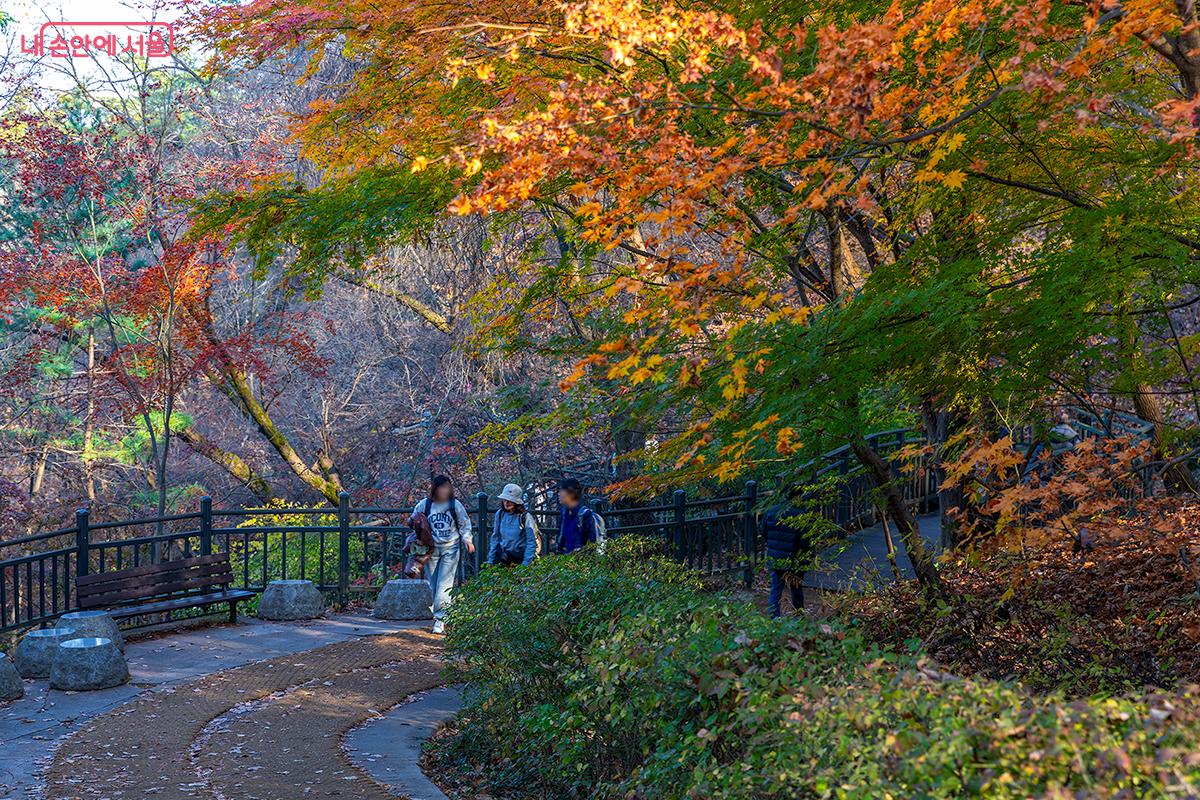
(513, 494)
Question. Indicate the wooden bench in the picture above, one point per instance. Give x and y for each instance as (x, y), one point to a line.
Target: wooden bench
(166, 586)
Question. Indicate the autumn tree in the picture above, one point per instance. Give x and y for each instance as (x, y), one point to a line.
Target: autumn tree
(781, 227)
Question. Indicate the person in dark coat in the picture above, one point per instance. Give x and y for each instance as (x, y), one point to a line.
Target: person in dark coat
(576, 522)
(790, 547)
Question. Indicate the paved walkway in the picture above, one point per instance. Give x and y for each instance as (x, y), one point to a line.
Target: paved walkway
(224, 712)
(388, 747)
(862, 559)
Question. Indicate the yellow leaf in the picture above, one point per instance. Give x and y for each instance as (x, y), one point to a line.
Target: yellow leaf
(954, 179)
(592, 209)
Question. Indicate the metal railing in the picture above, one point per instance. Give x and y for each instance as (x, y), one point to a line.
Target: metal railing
(347, 549)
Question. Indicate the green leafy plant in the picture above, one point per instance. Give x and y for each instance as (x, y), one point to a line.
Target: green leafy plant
(616, 676)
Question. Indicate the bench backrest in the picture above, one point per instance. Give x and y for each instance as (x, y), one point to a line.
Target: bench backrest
(185, 575)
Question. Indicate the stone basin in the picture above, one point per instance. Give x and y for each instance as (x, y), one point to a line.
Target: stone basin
(93, 624)
(87, 664)
(11, 687)
(37, 650)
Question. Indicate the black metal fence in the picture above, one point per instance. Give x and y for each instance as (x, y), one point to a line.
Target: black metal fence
(349, 549)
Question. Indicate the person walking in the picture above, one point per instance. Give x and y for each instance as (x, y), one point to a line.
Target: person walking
(789, 549)
(451, 526)
(576, 522)
(515, 533)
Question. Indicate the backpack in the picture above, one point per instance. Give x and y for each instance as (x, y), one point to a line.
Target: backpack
(600, 527)
(418, 545)
(531, 523)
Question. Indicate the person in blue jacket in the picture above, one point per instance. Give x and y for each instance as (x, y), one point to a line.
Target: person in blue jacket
(790, 548)
(576, 522)
(514, 533)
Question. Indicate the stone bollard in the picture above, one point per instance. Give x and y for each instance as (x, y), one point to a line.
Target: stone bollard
(87, 664)
(11, 687)
(284, 600)
(404, 599)
(92, 625)
(36, 653)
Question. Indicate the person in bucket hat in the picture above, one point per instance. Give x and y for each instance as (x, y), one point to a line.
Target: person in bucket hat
(515, 538)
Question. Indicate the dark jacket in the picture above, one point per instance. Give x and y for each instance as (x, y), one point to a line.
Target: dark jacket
(791, 543)
(584, 526)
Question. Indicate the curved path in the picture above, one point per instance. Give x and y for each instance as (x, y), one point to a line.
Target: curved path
(388, 747)
(270, 730)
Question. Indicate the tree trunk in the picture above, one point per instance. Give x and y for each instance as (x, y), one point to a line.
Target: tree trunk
(235, 384)
(910, 534)
(629, 436)
(89, 420)
(1178, 478)
(939, 425)
(425, 312)
(39, 471)
(329, 487)
(232, 463)
(842, 265)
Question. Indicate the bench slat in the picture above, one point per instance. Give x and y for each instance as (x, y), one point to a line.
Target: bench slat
(191, 601)
(150, 569)
(150, 583)
(135, 593)
(166, 586)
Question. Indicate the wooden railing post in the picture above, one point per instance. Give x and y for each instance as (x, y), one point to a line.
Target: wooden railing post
(481, 522)
(81, 542)
(206, 526)
(343, 514)
(680, 525)
(750, 530)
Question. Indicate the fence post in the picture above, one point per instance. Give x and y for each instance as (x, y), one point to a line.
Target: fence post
(845, 497)
(680, 525)
(343, 514)
(206, 526)
(750, 530)
(81, 542)
(481, 541)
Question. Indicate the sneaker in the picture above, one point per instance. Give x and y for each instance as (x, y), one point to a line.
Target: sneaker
(439, 626)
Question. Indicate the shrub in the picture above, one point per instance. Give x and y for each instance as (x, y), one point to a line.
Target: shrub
(616, 675)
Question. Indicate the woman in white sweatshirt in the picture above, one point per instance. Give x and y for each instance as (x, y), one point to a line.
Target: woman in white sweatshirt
(451, 525)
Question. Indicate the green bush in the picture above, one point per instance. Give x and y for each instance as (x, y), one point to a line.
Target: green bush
(617, 676)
